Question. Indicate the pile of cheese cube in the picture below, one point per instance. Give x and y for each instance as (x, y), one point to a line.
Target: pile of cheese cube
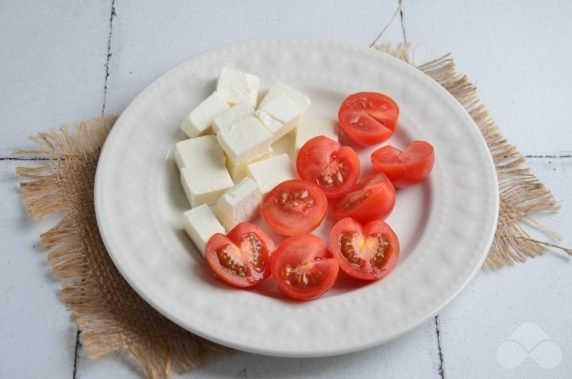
(227, 164)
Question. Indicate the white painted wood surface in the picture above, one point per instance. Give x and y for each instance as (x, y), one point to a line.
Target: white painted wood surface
(53, 69)
(514, 52)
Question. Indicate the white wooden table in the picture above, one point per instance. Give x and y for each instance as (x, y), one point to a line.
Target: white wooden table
(62, 61)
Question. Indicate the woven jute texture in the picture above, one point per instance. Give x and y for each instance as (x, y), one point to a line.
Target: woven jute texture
(112, 318)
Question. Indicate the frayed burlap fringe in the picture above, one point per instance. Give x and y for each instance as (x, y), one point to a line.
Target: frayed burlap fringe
(522, 195)
(109, 314)
(113, 318)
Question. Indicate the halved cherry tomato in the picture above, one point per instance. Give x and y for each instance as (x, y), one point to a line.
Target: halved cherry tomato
(368, 118)
(242, 257)
(294, 207)
(332, 167)
(405, 168)
(372, 199)
(366, 252)
(303, 267)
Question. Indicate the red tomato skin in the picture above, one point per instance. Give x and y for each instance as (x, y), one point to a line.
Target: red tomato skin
(375, 125)
(219, 240)
(297, 223)
(350, 225)
(297, 250)
(405, 168)
(379, 203)
(317, 154)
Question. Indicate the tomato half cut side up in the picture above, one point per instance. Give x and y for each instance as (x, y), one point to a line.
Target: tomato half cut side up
(367, 252)
(333, 168)
(242, 257)
(405, 168)
(303, 267)
(368, 118)
(373, 198)
(294, 207)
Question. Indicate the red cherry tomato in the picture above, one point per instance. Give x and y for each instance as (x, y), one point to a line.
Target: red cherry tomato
(368, 118)
(332, 167)
(366, 252)
(294, 207)
(303, 267)
(405, 168)
(242, 257)
(372, 199)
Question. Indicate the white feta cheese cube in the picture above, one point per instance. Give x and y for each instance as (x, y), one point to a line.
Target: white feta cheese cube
(198, 151)
(200, 224)
(271, 172)
(231, 115)
(239, 204)
(285, 145)
(280, 115)
(236, 86)
(279, 89)
(309, 128)
(282, 108)
(198, 122)
(204, 184)
(245, 140)
(237, 172)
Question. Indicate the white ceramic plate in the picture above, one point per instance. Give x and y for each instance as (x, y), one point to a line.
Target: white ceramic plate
(445, 225)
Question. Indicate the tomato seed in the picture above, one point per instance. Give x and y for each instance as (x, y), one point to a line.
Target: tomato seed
(299, 276)
(229, 258)
(251, 244)
(334, 174)
(296, 200)
(349, 250)
(379, 256)
(356, 249)
(353, 199)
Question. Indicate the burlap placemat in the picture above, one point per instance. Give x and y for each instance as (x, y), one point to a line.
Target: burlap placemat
(113, 318)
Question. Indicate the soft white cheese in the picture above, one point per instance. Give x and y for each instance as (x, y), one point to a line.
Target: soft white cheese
(198, 122)
(280, 115)
(204, 175)
(231, 115)
(200, 224)
(239, 204)
(309, 128)
(198, 151)
(245, 140)
(237, 172)
(279, 89)
(236, 86)
(271, 172)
